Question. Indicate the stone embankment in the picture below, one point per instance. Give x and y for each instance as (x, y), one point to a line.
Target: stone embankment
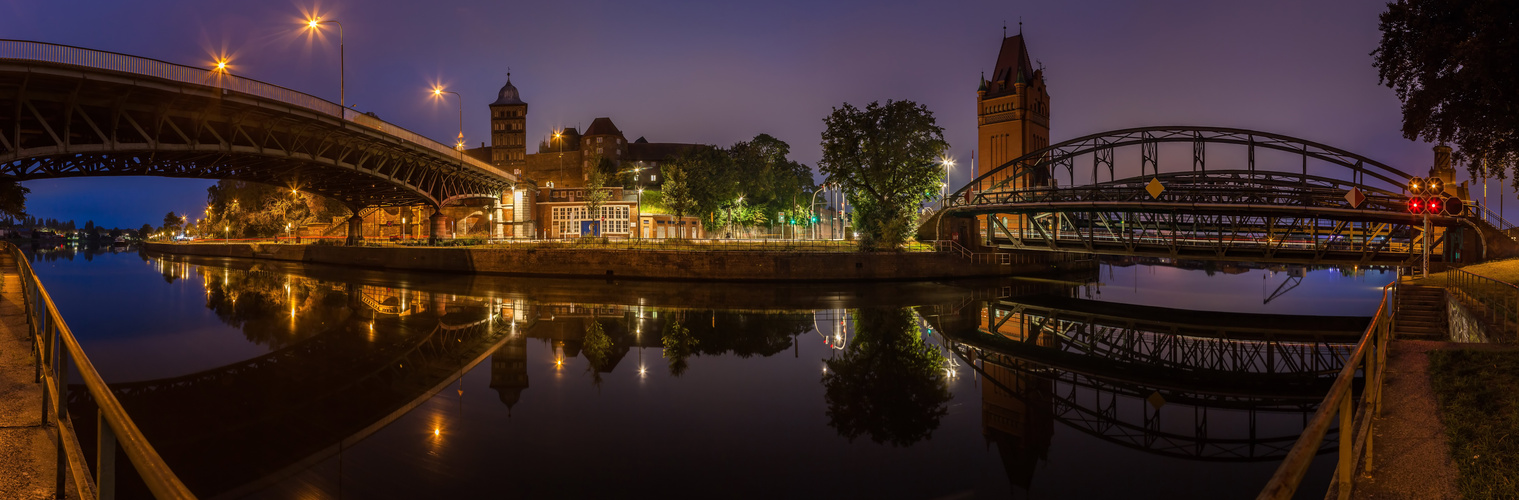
(642, 264)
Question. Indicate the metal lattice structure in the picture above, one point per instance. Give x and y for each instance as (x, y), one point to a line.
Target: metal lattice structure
(1269, 212)
(72, 112)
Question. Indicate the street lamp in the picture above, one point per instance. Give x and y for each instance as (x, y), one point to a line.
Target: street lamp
(731, 225)
(314, 24)
(438, 92)
(948, 164)
(639, 213)
(559, 136)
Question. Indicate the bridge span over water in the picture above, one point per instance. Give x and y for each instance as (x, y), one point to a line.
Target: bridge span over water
(1268, 198)
(73, 112)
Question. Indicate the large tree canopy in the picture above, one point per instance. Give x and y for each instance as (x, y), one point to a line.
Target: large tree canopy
(1453, 64)
(887, 157)
(12, 199)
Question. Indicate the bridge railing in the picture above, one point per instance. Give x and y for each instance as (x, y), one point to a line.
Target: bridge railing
(1497, 299)
(1355, 420)
(1493, 218)
(112, 61)
(56, 351)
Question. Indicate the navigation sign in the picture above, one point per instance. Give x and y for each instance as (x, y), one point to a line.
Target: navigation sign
(1156, 400)
(1154, 187)
(1355, 197)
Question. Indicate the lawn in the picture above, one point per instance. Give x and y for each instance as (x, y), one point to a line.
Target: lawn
(1478, 393)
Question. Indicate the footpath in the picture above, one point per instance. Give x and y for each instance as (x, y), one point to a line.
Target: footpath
(27, 450)
(1410, 454)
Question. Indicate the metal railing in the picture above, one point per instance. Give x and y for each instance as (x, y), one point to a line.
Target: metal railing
(1002, 258)
(1370, 359)
(1496, 299)
(56, 352)
(112, 61)
(1487, 214)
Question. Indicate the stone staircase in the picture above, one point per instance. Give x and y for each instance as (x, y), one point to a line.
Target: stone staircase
(1421, 313)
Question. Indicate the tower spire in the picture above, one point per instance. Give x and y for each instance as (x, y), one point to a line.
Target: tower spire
(1004, 29)
(1020, 25)
(509, 74)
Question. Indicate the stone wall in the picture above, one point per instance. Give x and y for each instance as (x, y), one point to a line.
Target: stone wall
(1464, 324)
(647, 264)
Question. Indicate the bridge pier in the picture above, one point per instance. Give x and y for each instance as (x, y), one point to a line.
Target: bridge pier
(355, 229)
(437, 227)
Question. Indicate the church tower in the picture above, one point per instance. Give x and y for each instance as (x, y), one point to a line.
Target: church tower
(1012, 114)
(508, 128)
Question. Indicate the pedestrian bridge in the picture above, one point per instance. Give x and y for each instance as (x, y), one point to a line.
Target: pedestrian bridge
(1220, 194)
(73, 112)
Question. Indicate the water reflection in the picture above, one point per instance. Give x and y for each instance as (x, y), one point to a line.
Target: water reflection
(355, 354)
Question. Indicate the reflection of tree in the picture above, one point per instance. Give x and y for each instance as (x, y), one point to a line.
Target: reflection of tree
(888, 383)
(597, 347)
(678, 344)
(747, 334)
(260, 303)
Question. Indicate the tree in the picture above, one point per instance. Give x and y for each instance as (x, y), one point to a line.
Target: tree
(1451, 62)
(172, 222)
(676, 193)
(887, 158)
(144, 231)
(596, 194)
(770, 182)
(888, 383)
(13, 199)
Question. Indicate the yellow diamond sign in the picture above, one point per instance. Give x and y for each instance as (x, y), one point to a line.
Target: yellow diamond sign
(1154, 188)
(1156, 400)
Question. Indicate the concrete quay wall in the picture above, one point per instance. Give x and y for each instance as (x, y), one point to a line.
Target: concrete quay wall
(641, 264)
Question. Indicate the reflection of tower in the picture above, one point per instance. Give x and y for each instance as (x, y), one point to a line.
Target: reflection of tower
(1016, 406)
(509, 370)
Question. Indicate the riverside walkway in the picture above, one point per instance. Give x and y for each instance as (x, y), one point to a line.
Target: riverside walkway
(27, 451)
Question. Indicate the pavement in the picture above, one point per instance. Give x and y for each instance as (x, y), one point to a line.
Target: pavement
(27, 449)
(1410, 453)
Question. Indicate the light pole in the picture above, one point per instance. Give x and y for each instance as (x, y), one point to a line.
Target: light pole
(438, 93)
(731, 225)
(944, 194)
(559, 136)
(315, 23)
(639, 213)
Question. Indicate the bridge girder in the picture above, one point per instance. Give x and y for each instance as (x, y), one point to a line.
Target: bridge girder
(69, 120)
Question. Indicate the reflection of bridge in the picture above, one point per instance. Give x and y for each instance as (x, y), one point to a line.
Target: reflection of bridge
(1288, 213)
(1147, 378)
(76, 112)
(240, 426)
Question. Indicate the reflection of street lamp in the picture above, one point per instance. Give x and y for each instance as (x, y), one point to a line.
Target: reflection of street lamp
(226, 234)
(313, 24)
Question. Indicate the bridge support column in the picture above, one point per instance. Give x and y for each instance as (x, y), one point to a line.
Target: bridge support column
(437, 228)
(355, 229)
(497, 224)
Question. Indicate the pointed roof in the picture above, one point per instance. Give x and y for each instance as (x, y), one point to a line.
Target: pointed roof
(508, 95)
(1013, 66)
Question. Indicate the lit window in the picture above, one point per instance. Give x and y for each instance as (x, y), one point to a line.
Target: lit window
(653, 178)
(598, 140)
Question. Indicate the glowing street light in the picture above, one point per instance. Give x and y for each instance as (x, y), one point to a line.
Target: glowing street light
(315, 23)
(438, 92)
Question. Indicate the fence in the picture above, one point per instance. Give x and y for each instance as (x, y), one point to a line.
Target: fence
(112, 61)
(56, 351)
(1355, 421)
(1498, 300)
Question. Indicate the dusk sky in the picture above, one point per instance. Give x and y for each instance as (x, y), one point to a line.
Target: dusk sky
(721, 72)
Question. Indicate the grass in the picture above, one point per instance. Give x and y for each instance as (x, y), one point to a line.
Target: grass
(1478, 394)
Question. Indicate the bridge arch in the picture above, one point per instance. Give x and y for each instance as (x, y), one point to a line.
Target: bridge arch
(1101, 146)
(74, 112)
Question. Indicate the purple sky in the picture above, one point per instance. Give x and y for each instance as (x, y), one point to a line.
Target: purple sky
(720, 72)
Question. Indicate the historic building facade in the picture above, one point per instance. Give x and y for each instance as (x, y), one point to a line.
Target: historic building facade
(1012, 114)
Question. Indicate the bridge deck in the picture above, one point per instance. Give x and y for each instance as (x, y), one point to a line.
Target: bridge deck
(27, 450)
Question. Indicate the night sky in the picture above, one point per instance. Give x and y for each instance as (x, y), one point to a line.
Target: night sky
(721, 72)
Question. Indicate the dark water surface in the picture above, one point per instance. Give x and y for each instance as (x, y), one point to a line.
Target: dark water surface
(272, 380)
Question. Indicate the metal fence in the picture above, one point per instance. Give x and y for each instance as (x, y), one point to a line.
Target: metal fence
(56, 352)
(112, 61)
(1495, 299)
(1355, 420)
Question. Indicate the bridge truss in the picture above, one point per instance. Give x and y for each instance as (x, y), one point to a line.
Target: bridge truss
(1295, 214)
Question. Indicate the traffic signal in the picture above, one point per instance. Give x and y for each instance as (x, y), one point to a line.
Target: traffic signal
(1433, 186)
(1435, 205)
(1416, 186)
(1454, 207)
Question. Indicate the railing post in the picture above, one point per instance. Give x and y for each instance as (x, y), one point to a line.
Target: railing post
(62, 383)
(1346, 470)
(105, 458)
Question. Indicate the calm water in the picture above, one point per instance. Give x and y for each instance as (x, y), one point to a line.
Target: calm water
(273, 380)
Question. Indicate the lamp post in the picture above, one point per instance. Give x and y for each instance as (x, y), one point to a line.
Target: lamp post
(944, 190)
(559, 136)
(731, 225)
(315, 23)
(438, 93)
(638, 213)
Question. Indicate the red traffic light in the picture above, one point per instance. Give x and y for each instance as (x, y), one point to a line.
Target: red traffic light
(1454, 207)
(1434, 205)
(1416, 205)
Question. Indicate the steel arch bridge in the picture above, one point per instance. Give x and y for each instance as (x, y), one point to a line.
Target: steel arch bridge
(73, 112)
(1067, 198)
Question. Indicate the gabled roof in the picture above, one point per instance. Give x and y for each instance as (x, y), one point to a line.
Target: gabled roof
(602, 126)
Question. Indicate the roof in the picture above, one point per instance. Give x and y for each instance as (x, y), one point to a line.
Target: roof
(657, 151)
(602, 126)
(508, 95)
(1013, 66)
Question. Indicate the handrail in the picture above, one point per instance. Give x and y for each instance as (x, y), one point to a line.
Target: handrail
(1499, 299)
(1493, 218)
(52, 337)
(113, 61)
(1369, 358)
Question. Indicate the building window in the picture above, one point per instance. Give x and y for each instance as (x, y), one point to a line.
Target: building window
(598, 140)
(653, 178)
